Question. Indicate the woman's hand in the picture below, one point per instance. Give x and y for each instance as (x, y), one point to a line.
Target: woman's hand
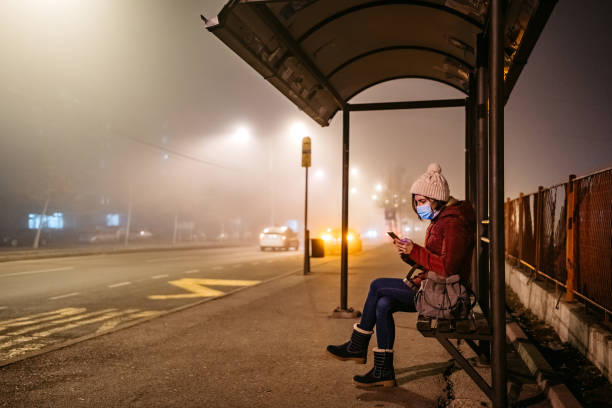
(404, 246)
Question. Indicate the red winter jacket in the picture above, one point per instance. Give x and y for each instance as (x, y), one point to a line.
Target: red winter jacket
(448, 243)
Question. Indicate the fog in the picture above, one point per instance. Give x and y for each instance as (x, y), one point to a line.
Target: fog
(107, 106)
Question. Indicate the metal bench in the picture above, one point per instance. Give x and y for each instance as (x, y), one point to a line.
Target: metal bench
(470, 330)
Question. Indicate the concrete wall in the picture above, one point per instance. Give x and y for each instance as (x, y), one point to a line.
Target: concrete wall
(570, 320)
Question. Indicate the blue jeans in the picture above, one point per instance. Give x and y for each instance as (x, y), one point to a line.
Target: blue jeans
(386, 296)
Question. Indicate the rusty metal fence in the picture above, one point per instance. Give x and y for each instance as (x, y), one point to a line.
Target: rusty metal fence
(564, 233)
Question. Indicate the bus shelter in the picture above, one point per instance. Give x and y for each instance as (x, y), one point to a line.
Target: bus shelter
(321, 53)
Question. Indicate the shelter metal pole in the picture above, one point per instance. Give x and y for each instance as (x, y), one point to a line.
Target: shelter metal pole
(482, 187)
(482, 175)
(344, 311)
(498, 359)
(470, 162)
(345, 197)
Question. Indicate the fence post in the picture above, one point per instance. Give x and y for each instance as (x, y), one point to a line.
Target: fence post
(538, 235)
(569, 238)
(521, 228)
(507, 210)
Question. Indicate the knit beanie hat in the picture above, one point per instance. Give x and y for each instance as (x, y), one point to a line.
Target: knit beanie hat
(432, 184)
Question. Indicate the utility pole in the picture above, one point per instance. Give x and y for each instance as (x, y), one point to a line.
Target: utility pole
(41, 221)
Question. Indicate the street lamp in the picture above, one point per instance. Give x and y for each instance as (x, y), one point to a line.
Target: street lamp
(242, 134)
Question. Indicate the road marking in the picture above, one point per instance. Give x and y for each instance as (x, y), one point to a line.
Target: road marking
(176, 258)
(116, 285)
(21, 340)
(159, 276)
(40, 317)
(217, 268)
(3, 307)
(56, 322)
(254, 263)
(198, 289)
(64, 296)
(192, 271)
(111, 324)
(67, 268)
(47, 333)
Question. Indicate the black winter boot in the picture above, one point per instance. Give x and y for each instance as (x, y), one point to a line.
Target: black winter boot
(356, 349)
(382, 374)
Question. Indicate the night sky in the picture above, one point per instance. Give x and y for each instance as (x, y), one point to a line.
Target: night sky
(96, 96)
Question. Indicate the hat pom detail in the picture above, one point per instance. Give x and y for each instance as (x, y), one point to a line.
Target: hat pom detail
(434, 168)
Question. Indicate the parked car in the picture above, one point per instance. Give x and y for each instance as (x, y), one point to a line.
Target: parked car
(332, 240)
(278, 238)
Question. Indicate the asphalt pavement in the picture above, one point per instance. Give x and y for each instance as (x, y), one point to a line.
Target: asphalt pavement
(263, 346)
(44, 302)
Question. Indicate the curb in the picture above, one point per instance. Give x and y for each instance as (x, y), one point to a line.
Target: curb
(147, 319)
(557, 393)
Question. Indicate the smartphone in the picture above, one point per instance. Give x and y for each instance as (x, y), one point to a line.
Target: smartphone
(393, 235)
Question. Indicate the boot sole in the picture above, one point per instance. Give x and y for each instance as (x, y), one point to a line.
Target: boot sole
(386, 383)
(357, 360)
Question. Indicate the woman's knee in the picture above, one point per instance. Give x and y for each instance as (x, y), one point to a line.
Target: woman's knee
(376, 284)
(383, 307)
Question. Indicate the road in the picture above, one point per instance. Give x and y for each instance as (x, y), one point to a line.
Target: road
(49, 301)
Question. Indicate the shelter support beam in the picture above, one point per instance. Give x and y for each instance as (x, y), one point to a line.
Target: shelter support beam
(496, 156)
(441, 103)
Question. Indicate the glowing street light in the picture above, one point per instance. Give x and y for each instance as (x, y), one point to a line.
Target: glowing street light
(297, 131)
(374, 197)
(242, 134)
(378, 187)
(354, 171)
(320, 174)
(354, 190)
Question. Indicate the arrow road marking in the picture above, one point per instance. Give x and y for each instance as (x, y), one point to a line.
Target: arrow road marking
(199, 287)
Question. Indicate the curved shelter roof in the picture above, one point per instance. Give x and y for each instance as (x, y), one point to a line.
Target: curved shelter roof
(321, 53)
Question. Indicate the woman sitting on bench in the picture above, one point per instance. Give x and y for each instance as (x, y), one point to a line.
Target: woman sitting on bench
(448, 250)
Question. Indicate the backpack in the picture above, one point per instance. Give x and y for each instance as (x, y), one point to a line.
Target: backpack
(443, 298)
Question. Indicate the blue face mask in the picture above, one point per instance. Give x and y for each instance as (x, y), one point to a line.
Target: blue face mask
(425, 211)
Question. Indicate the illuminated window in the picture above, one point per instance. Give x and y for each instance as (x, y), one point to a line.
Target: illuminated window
(112, 220)
(53, 221)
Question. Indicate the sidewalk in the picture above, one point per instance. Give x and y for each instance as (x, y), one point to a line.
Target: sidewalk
(260, 347)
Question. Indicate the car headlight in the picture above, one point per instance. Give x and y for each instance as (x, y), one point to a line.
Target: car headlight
(326, 237)
(349, 237)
